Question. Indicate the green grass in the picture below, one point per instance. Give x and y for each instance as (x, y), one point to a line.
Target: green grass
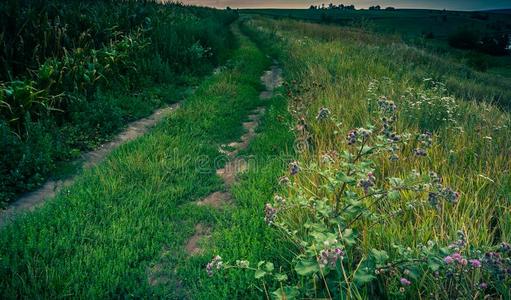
(241, 233)
(406, 22)
(71, 78)
(421, 28)
(98, 238)
(135, 212)
(335, 67)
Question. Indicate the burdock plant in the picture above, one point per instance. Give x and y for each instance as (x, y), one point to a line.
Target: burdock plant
(354, 195)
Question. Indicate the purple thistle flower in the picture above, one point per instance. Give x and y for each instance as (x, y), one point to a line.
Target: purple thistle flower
(367, 183)
(329, 257)
(352, 137)
(475, 263)
(294, 168)
(323, 114)
(448, 259)
(456, 256)
(419, 152)
(270, 213)
(463, 262)
(405, 281)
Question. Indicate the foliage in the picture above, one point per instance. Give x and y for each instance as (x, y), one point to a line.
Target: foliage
(59, 58)
(130, 212)
(364, 213)
(490, 43)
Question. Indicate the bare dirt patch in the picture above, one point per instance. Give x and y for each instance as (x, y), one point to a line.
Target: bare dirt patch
(201, 233)
(231, 169)
(271, 79)
(216, 200)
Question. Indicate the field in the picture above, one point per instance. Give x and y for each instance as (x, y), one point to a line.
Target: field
(422, 28)
(306, 160)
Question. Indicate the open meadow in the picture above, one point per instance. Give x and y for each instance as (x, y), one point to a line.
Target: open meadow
(284, 154)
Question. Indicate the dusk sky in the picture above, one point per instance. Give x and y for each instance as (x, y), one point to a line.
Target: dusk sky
(435, 4)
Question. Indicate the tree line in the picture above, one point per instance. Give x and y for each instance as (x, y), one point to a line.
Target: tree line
(332, 6)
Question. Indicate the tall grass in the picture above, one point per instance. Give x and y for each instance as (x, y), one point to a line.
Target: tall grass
(344, 72)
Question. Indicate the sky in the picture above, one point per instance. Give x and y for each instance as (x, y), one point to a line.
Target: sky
(432, 4)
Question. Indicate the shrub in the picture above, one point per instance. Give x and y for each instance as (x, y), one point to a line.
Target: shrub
(495, 44)
(464, 38)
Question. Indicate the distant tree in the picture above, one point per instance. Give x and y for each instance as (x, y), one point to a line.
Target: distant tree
(313, 7)
(228, 8)
(390, 8)
(377, 7)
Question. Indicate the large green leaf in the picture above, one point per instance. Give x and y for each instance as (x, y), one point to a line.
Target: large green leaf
(306, 267)
(286, 293)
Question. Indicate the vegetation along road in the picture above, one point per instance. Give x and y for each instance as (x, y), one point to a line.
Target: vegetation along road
(177, 152)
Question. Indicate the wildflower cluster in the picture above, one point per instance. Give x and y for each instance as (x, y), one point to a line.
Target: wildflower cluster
(387, 107)
(438, 191)
(367, 182)
(294, 168)
(425, 141)
(358, 135)
(352, 137)
(388, 115)
(270, 213)
(214, 265)
(430, 107)
(329, 257)
(347, 200)
(499, 264)
(456, 257)
(323, 114)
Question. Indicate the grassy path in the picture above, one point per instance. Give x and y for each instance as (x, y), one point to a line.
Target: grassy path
(99, 238)
(32, 200)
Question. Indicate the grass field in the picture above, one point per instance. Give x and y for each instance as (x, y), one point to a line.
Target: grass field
(379, 170)
(73, 74)
(407, 22)
(428, 29)
(142, 200)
